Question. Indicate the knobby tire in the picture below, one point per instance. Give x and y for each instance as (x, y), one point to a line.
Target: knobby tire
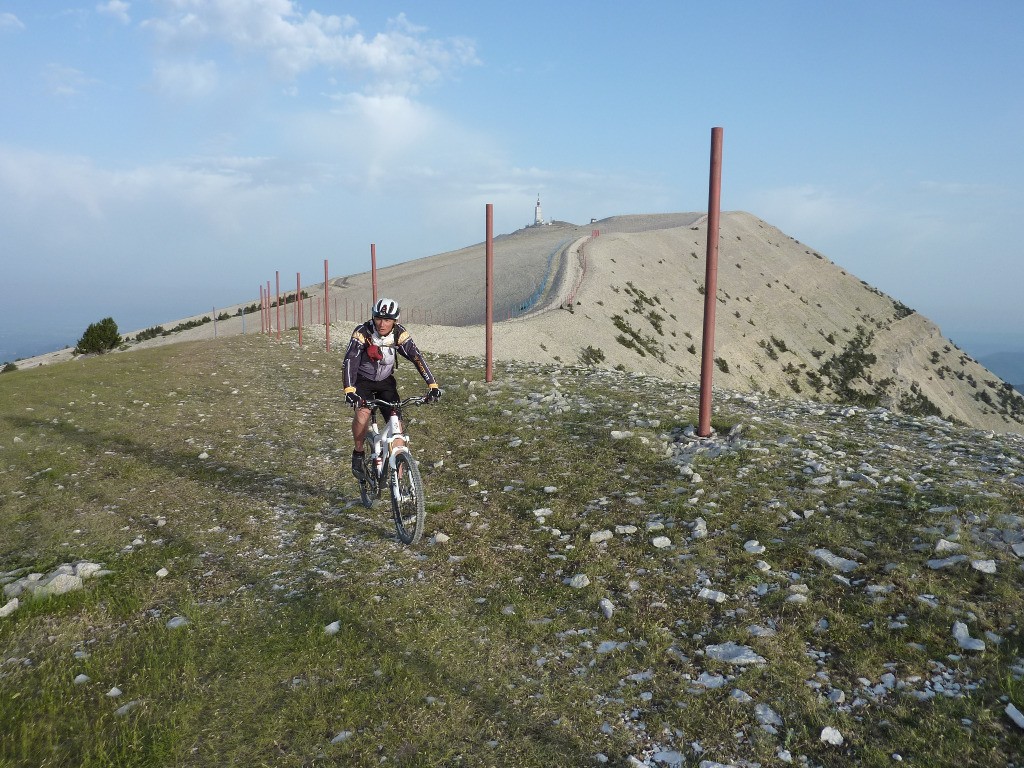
(409, 507)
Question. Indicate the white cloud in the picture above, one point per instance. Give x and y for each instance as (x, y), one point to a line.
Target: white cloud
(118, 9)
(9, 21)
(396, 61)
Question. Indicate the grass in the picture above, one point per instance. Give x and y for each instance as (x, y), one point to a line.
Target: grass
(225, 462)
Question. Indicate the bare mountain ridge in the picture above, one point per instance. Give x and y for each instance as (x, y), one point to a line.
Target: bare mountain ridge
(789, 320)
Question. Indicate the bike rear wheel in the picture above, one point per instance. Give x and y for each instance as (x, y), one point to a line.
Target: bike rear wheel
(407, 502)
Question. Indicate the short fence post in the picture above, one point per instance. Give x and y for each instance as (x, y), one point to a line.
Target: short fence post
(327, 321)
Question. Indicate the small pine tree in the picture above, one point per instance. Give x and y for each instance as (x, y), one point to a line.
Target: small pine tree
(99, 337)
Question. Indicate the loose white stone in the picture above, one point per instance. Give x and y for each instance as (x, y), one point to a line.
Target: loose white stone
(57, 584)
(341, 737)
(1015, 715)
(598, 536)
(834, 561)
(661, 542)
(732, 653)
(550, 489)
(768, 718)
(712, 595)
(943, 547)
(1018, 549)
(333, 628)
(668, 757)
(177, 621)
(114, 692)
(625, 530)
(163, 573)
(9, 608)
(832, 736)
(710, 681)
(964, 638)
(124, 710)
(204, 455)
(440, 538)
(985, 566)
(82, 679)
(620, 435)
(762, 566)
(700, 528)
(607, 607)
(86, 570)
(753, 547)
(579, 581)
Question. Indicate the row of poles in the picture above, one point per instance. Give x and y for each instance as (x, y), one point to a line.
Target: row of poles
(710, 291)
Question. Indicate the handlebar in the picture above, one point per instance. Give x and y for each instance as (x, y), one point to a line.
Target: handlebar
(377, 403)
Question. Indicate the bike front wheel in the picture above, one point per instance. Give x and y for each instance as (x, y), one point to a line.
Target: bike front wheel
(407, 502)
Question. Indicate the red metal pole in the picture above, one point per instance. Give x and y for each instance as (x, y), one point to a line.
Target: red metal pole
(710, 284)
(489, 257)
(269, 329)
(298, 304)
(373, 270)
(261, 310)
(277, 286)
(327, 319)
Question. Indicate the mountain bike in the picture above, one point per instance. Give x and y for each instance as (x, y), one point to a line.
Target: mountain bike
(393, 467)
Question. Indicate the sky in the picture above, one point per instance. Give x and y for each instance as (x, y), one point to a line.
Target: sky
(160, 158)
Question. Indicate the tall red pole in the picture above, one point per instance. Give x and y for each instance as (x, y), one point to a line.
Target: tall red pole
(298, 304)
(373, 270)
(707, 360)
(277, 286)
(262, 316)
(489, 256)
(268, 308)
(327, 311)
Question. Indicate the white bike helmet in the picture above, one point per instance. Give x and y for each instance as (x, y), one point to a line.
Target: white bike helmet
(387, 309)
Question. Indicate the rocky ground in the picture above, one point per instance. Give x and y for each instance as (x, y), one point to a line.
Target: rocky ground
(749, 553)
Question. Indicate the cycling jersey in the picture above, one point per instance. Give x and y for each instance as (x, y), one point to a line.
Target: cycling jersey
(372, 356)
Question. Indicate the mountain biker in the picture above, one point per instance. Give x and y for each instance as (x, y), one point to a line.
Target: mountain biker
(369, 369)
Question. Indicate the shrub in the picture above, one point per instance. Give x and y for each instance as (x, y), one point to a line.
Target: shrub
(99, 337)
(591, 356)
(8, 367)
(723, 366)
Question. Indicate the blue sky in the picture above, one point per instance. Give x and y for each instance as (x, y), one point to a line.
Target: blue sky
(160, 158)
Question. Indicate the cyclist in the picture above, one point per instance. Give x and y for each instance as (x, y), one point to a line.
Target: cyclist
(369, 369)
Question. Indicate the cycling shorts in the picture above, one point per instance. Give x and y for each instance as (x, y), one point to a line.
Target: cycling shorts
(386, 389)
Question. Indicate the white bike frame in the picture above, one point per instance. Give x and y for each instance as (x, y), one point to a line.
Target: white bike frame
(386, 439)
